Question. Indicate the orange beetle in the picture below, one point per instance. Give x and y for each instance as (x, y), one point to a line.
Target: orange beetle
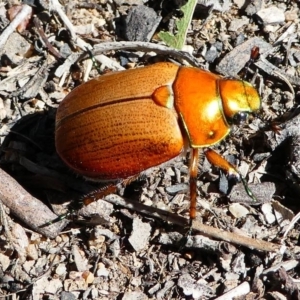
(117, 125)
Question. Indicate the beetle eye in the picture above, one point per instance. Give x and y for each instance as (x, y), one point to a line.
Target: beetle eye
(240, 117)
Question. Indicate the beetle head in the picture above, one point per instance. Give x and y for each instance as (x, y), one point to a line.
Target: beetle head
(239, 98)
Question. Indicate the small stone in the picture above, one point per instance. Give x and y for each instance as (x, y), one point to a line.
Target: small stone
(88, 276)
(137, 295)
(16, 48)
(140, 234)
(141, 23)
(291, 15)
(54, 286)
(79, 259)
(267, 210)
(136, 281)
(238, 210)
(271, 15)
(238, 23)
(102, 271)
(253, 7)
(4, 261)
(32, 252)
(61, 269)
(177, 188)
(192, 288)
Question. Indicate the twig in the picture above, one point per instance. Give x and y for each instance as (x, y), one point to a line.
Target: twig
(272, 70)
(43, 37)
(27, 208)
(239, 291)
(90, 6)
(32, 87)
(291, 225)
(26, 10)
(146, 47)
(57, 7)
(138, 46)
(235, 238)
(196, 225)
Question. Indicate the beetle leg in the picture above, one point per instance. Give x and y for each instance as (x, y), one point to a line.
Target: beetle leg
(193, 181)
(217, 160)
(91, 197)
(106, 190)
(86, 200)
(99, 194)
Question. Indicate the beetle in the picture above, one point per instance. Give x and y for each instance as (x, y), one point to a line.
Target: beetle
(120, 124)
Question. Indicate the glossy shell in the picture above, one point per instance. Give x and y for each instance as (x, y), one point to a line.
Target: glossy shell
(122, 123)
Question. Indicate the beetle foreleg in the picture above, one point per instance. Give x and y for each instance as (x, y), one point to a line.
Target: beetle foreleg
(217, 160)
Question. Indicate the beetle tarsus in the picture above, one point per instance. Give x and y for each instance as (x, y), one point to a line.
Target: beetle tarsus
(247, 189)
(58, 219)
(183, 241)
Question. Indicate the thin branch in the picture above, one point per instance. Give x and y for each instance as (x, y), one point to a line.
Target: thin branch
(208, 231)
(20, 17)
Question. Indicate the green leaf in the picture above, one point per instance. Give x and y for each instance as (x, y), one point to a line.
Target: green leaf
(177, 41)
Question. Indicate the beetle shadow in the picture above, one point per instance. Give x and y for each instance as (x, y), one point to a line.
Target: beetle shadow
(28, 154)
